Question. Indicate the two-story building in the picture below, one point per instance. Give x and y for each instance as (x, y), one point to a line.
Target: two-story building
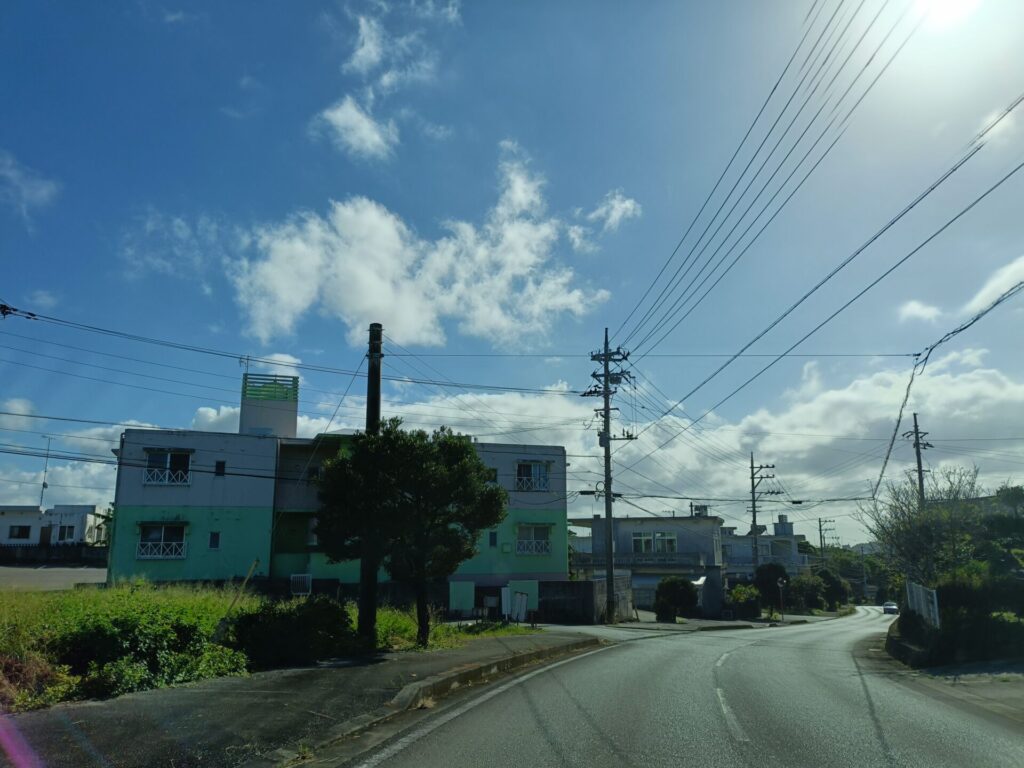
(652, 548)
(781, 546)
(206, 506)
(61, 525)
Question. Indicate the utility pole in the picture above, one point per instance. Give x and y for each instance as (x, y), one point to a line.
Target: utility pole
(46, 466)
(608, 380)
(822, 530)
(369, 561)
(919, 445)
(755, 480)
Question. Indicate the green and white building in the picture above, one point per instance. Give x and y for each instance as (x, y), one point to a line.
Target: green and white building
(209, 506)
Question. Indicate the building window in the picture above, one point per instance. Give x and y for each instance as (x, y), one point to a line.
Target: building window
(214, 539)
(664, 542)
(643, 542)
(219, 468)
(19, 532)
(727, 550)
(161, 541)
(532, 476)
(533, 540)
(168, 468)
(492, 539)
(312, 540)
(314, 473)
(65, 533)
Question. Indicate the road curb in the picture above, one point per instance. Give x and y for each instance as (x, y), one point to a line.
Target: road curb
(722, 629)
(414, 695)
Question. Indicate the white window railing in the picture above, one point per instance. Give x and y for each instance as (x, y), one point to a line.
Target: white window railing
(167, 477)
(532, 483)
(533, 547)
(160, 550)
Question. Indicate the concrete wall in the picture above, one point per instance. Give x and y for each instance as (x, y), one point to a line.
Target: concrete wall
(89, 527)
(244, 537)
(250, 466)
(700, 535)
(20, 516)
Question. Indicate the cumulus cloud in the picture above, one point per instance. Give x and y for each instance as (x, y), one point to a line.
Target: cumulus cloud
(579, 239)
(279, 363)
(1001, 281)
(613, 210)
(22, 189)
(362, 263)
(916, 310)
(355, 131)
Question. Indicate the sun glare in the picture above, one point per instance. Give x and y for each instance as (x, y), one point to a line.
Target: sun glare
(942, 14)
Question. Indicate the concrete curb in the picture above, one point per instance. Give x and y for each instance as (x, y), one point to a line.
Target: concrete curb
(413, 695)
(721, 629)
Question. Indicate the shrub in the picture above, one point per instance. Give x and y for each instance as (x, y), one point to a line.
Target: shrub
(806, 592)
(745, 601)
(675, 596)
(837, 589)
(294, 632)
(766, 580)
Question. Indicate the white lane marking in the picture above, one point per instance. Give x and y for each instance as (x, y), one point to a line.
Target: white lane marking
(721, 659)
(730, 719)
(406, 741)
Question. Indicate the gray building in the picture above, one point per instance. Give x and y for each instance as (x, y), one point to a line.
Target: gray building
(651, 548)
(780, 546)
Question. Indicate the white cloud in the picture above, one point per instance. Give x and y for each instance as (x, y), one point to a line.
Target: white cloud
(369, 50)
(579, 239)
(223, 418)
(1001, 281)
(23, 189)
(280, 363)
(363, 263)
(178, 247)
(615, 209)
(355, 131)
(916, 310)
(42, 300)
(447, 11)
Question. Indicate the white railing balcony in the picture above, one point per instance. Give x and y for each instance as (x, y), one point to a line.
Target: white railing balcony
(160, 550)
(532, 484)
(533, 547)
(167, 477)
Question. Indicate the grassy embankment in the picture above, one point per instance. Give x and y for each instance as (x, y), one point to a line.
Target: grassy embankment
(97, 643)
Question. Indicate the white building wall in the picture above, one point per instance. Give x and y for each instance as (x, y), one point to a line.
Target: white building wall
(505, 458)
(250, 465)
(88, 526)
(18, 516)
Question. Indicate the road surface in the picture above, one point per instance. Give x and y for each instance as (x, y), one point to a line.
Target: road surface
(787, 697)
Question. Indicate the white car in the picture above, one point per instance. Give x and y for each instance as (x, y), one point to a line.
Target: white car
(890, 607)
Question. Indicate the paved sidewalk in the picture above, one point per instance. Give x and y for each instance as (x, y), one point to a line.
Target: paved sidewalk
(230, 721)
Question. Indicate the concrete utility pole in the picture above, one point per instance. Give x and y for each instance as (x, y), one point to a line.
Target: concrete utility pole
(607, 381)
(374, 357)
(368, 564)
(755, 480)
(919, 445)
(46, 467)
(822, 530)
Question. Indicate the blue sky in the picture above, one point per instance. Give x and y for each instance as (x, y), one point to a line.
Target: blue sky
(496, 178)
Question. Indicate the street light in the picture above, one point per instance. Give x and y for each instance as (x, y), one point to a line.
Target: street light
(782, 582)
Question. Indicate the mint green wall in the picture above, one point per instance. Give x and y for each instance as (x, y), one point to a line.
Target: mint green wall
(531, 588)
(244, 536)
(503, 559)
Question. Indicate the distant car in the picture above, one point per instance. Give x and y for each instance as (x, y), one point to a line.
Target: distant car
(890, 608)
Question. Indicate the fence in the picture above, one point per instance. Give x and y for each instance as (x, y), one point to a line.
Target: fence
(924, 602)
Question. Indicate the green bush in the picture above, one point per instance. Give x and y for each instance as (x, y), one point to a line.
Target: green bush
(806, 592)
(674, 597)
(745, 601)
(294, 632)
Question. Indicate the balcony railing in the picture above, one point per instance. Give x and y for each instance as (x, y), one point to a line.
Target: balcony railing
(160, 550)
(633, 559)
(533, 547)
(167, 477)
(532, 483)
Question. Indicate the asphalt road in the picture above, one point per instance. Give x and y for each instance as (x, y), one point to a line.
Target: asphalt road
(788, 697)
(35, 578)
